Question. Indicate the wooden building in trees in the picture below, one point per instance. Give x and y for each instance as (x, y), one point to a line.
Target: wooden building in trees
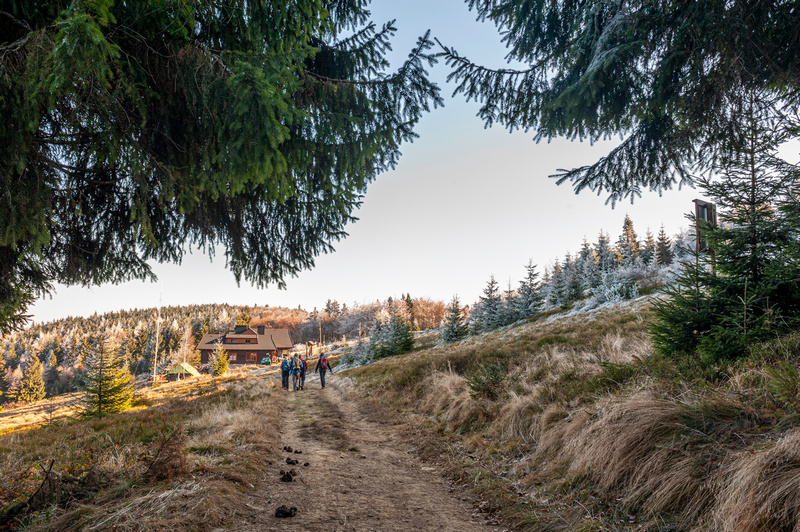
(246, 345)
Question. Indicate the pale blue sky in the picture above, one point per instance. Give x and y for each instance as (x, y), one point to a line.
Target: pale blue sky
(464, 203)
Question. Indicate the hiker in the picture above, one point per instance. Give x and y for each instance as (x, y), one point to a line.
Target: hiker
(294, 367)
(303, 369)
(284, 373)
(322, 367)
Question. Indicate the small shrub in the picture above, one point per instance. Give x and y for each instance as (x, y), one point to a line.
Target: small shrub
(488, 381)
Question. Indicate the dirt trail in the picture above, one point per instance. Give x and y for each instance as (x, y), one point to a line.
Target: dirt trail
(361, 475)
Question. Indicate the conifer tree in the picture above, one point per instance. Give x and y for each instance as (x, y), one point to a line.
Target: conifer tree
(558, 287)
(627, 244)
(138, 126)
(664, 254)
(663, 75)
(529, 300)
(490, 301)
(218, 364)
(51, 376)
(107, 384)
(648, 250)
(453, 327)
(604, 253)
(401, 340)
(753, 292)
(31, 386)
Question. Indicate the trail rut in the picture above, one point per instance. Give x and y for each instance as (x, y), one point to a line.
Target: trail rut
(361, 475)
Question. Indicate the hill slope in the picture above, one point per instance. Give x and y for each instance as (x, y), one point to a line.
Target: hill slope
(571, 423)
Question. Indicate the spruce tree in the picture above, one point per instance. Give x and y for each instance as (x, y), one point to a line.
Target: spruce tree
(664, 254)
(751, 288)
(139, 126)
(647, 252)
(401, 340)
(453, 328)
(490, 302)
(529, 300)
(627, 244)
(218, 364)
(31, 386)
(107, 385)
(51, 376)
(663, 75)
(604, 253)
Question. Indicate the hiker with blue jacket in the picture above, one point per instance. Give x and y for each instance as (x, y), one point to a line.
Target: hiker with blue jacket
(322, 367)
(285, 372)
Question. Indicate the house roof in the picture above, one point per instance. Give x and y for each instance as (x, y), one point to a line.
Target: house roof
(271, 340)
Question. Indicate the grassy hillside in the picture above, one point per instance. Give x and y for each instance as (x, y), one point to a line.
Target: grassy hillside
(571, 423)
(179, 459)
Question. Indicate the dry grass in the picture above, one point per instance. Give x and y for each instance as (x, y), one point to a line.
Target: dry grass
(590, 432)
(760, 491)
(178, 460)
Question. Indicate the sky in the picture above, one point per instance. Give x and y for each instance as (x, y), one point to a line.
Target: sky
(464, 203)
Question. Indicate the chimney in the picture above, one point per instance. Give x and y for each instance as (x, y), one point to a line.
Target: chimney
(260, 329)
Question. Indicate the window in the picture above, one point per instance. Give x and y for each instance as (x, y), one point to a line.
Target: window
(251, 357)
(232, 357)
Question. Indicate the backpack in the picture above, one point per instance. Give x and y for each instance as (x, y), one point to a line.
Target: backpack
(285, 365)
(323, 363)
(296, 365)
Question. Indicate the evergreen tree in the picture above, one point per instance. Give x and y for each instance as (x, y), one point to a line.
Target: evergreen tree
(107, 384)
(665, 75)
(453, 328)
(218, 364)
(126, 120)
(664, 254)
(529, 300)
(753, 293)
(402, 341)
(604, 253)
(627, 244)
(489, 303)
(508, 307)
(648, 250)
(52, 376)
(558, 287)
(31, 387)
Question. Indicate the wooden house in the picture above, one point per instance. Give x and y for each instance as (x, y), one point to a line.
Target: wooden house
(246, 345)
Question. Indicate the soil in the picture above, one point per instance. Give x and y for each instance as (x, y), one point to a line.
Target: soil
(355, 473)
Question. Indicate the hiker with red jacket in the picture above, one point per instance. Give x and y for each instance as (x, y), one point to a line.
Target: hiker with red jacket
(322, 367)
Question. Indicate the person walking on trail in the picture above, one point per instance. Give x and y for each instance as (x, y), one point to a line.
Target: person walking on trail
(294, 368)
(323, 366)
(285, 373)
(303, 369)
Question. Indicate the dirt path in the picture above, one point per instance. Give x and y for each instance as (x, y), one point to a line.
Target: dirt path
(361, 476)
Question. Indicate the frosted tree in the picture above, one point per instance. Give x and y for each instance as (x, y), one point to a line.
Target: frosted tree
(663, 252)
(627, 244)
(604, 253)
(647, 252)
(453, 327)
(508, 308)
(529, 300)
(487, 317)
